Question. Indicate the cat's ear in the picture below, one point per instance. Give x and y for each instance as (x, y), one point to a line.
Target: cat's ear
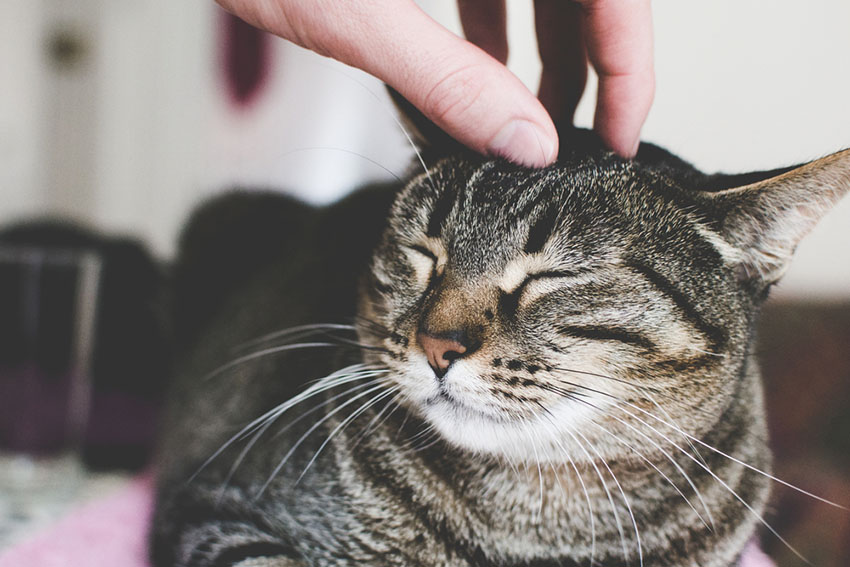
(764, 221)
(429, 138)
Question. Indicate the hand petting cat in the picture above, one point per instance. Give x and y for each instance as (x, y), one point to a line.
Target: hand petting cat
(464, 86)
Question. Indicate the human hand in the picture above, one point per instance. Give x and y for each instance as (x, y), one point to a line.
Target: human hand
(464, 87)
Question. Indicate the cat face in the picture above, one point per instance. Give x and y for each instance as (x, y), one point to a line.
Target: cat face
(534, 313)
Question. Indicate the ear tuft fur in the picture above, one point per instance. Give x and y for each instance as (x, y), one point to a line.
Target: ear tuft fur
(767, 220)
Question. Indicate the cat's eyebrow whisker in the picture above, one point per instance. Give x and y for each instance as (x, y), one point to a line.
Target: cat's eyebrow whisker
(343, 376)
(391, 114)
(724, 485)
(304, 436)
(736, 460)
(343, 424)
(344, 150)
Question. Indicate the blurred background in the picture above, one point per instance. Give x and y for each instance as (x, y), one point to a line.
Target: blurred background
(122, 115)
(125, 113)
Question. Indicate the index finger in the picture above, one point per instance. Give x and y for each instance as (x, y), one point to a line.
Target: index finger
(619, 46)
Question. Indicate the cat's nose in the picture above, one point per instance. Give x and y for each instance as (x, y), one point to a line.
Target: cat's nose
(444, 349)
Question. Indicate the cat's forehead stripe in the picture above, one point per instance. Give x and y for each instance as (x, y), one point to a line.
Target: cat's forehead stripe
(442, 209)
(541, 230)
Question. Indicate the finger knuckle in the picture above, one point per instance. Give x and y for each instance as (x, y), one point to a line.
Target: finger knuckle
(454, 93)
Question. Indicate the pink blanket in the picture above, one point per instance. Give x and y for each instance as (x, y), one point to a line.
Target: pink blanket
(107, 533)
(113, 532)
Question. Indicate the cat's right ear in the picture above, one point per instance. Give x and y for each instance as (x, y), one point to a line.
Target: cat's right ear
(430, 140)
(765, 221)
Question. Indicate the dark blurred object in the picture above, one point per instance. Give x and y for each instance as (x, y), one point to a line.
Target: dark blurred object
(247, 57)
(48, 299)
(805, 355)
(127, 366)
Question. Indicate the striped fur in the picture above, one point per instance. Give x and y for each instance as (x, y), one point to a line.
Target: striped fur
(607, 307)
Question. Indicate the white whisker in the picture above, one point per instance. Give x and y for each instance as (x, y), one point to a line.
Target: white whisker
(300, 330)
(670, 458)
(378, 420)
(724, 485)
(659, 471)
(738, 461)
(265, 352)
(622, 493)
(241, 457)
(539, 476)
(344, 150)
(607, 493)
(303, 437)
(344, 424)
(345, 375)
(572, 463)
(391, 115)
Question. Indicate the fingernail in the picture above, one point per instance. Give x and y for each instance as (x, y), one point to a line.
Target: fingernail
(523, 142)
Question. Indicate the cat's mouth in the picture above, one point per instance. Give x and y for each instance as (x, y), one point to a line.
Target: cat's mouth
(443, 397)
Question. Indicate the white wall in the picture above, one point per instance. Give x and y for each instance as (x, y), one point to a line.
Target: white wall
(117, 139)
(740, 87)
(155, 59)
(749, 85)
(21, 104)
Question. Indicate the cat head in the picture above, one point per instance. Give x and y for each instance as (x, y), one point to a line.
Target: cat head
(528, 313)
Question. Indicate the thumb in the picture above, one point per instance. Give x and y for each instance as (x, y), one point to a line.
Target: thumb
(467, 93)
(463, 90)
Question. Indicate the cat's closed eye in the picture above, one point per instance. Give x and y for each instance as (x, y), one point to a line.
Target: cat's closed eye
(428, 265)
(537, 284)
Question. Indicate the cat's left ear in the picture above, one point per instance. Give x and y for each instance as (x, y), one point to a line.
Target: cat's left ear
(431, 141)
(765, 221)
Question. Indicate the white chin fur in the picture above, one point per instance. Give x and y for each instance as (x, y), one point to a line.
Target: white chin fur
(554, 437)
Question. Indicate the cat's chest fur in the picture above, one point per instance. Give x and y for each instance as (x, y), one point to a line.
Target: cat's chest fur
(434, 506)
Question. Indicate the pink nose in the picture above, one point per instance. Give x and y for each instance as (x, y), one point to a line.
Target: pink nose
(440, 352)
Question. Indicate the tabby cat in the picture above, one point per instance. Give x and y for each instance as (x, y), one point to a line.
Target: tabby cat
(489, 365)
